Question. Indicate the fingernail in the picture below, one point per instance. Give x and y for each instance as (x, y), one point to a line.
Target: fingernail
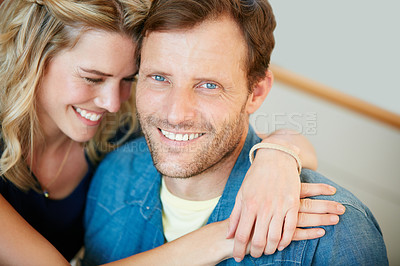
(280, 248)
(341, 208)
(334, 218)
(321, 232)
(333, 190)
(268, 252)
(238, 259)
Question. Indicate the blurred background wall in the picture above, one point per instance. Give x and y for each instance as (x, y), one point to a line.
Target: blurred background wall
(351, 46)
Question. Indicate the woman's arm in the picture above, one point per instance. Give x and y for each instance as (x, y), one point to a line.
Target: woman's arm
(296, 142)
(205, 246)
(209, 245)
(20, 244)
(268, 201)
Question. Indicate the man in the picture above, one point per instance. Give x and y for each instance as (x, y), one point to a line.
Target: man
(203, 71)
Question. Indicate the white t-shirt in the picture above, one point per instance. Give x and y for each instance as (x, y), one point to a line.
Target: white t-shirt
(180, 216)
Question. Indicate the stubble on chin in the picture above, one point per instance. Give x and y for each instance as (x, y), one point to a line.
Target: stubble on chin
(213, 149)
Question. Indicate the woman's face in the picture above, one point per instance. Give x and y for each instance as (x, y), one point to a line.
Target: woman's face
(81, 84)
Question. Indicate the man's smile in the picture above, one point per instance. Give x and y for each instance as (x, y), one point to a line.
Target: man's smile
(180, 136)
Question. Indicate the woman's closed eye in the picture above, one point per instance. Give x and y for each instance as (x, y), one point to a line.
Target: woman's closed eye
(92, 80)
(130, 79)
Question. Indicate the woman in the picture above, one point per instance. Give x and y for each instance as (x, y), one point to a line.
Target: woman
(50, 148)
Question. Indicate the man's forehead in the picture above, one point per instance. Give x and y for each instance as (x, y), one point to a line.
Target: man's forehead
(209, 35)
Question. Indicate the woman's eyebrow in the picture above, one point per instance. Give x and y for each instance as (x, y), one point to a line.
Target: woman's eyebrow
(93, 71)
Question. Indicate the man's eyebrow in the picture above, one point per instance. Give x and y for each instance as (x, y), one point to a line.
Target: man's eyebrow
(96, 72)
(151, 70)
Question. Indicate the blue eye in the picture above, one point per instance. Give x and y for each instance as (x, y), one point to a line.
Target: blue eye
(159, 78)
(210, 86)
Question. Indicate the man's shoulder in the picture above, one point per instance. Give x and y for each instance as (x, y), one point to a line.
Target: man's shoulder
(132, 156)
(357, 238)
(122, 169)
(342, 195)
(136, 149)
(123, 193)
(354, 206)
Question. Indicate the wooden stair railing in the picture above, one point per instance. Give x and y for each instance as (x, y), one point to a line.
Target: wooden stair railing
(332, 95)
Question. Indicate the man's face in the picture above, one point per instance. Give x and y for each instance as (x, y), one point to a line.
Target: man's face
(192, 96)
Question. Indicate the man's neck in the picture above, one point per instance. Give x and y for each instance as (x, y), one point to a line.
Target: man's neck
(209, 184)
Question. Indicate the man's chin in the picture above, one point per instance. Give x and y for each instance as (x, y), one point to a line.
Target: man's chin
(173, 171)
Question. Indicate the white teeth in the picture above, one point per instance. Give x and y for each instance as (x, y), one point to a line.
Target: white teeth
(180, 137)
(93, 117)
(89, 116)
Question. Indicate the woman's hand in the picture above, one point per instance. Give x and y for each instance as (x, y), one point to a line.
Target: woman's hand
(269, 205)
(311, 213)
(315, 212)
(269, 198)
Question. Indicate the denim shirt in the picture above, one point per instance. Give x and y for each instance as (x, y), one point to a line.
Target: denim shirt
(123, 215)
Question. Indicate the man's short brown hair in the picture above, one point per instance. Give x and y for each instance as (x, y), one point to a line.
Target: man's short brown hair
(254, 17)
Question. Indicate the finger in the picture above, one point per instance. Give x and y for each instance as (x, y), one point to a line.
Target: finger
(274, 234)
(321, 206)
(243, 233)
(288, 229)
(310, 190)
(259, 239)
(311, 233)
(234, 218)
(310, 219)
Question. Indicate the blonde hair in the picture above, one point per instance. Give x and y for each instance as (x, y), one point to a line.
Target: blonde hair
(32, 33)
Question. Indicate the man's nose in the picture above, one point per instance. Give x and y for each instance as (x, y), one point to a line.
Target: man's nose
(181, 105)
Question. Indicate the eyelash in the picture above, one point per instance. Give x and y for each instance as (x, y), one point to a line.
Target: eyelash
(90, 80)
(95, 81)
(130, 79)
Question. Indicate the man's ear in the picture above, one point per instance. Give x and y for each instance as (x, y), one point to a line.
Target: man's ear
(260, 92)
